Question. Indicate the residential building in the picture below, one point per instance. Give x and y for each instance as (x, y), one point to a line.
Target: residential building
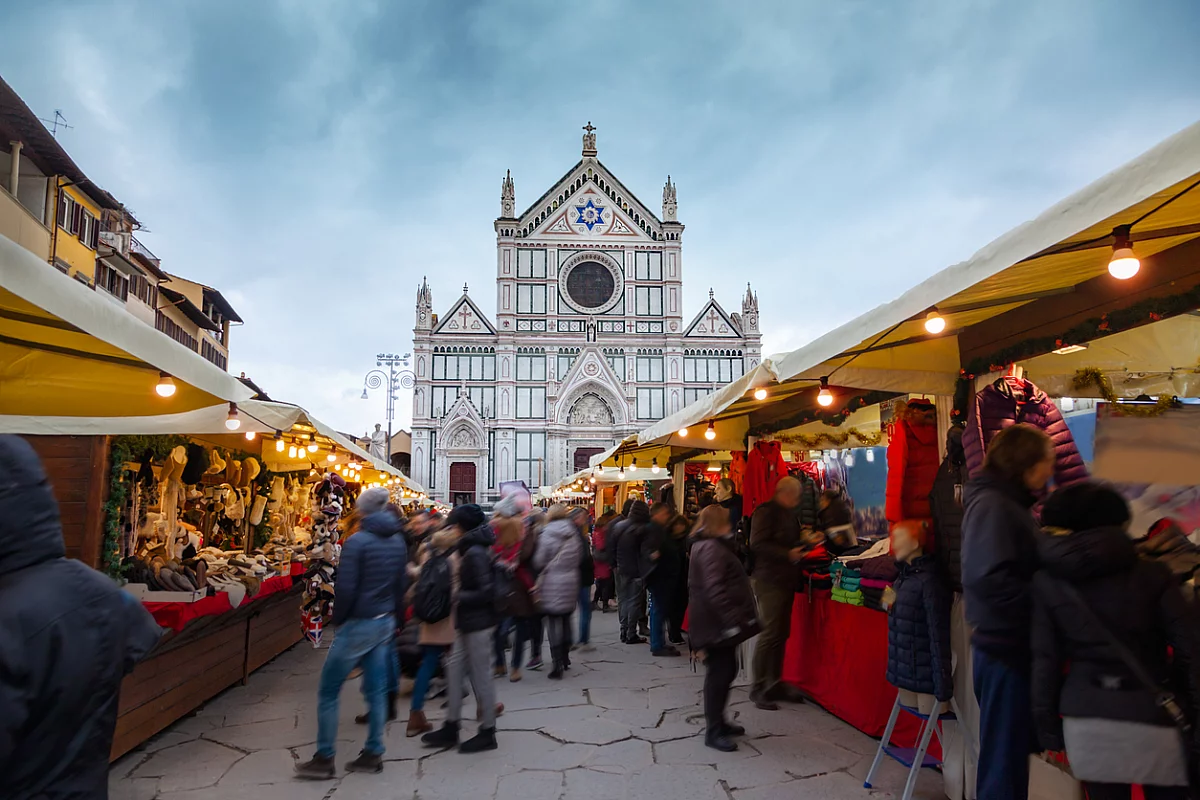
(589, 343)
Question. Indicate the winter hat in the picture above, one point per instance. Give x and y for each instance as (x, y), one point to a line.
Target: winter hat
(1084, 506)
(508, 507)
(197, 464)
(639, 511)
(372, 500)
(466, 517)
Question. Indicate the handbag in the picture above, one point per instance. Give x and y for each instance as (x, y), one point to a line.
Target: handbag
(1163, 697)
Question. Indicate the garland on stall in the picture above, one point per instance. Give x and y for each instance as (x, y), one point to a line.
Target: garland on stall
(1153, 309)
(832, 419)
(1089, 377)
(820, 441)
(125, 450)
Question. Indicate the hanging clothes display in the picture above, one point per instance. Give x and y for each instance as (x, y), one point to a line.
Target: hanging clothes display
(912, 459)
(1010, 401)
(813, 469)
(946, 504)
(737, 470)
(764, 467)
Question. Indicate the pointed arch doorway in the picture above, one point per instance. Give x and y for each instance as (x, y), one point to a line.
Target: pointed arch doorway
(462, 482)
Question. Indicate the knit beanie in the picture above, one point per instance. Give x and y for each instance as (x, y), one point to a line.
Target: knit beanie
(1084, 506)
(372, 500)
(466, 517)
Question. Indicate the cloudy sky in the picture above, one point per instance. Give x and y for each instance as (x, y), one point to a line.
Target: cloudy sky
(314, 159)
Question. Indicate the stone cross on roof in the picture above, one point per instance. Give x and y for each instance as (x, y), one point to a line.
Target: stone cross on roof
(589, 139)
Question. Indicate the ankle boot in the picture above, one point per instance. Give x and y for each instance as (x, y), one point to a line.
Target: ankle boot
(484, 740)
(417, 724)
(556, 674)
(444, 737)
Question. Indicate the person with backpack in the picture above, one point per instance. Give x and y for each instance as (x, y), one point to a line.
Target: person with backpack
(587, 577)
(475, 618)
(558, 558)
(432, 598)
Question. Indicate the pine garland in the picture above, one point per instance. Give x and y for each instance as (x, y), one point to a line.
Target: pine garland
(1092, 377)
(820, 440)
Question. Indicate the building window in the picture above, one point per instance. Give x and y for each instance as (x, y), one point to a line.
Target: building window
(647, 266)
(89, 230)
(531, 457)
(650, 404)
(213, 354)
(68, 212)
(531, 263)
(531, 366)
(649, 369)
(473, 366)
(491, 465)
(531, 299)
(692, 395)
(616, 360)
(531, 402)
(648, 301)
(566, 360)
(433, 459)
(482, 397)
(168, 326)
(712, 366)
(112, 281)
(143, 290)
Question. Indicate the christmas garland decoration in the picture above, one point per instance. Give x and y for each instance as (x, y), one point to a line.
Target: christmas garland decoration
(124, 450)
(832, 419)
(814, 441)
(1092, 377)
(1152, 309)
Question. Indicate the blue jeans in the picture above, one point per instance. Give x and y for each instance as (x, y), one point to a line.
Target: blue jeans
(659, 609)
(500, 639)
(523, 628)
(1005, 728)
(585, 614)
(365, 642)
(431, 656)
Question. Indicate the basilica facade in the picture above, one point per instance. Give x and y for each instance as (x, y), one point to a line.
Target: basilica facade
(589, 341)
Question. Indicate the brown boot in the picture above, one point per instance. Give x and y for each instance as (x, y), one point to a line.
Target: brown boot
(417, 724)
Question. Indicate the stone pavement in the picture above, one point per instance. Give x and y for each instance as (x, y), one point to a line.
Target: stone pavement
(622, 725)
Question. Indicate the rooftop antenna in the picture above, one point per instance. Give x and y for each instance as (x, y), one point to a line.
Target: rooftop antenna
(59, 121)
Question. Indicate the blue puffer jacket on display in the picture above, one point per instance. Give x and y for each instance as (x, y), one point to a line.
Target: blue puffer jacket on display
(919, 632)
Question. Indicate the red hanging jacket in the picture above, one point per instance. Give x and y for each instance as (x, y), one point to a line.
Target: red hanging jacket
(764, 467)
(912, 462)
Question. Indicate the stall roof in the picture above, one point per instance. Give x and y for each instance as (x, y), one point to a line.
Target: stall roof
(65, 350)
(1057, 254)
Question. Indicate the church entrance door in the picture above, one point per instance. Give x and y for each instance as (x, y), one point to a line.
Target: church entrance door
(583, 455)
(462, 482)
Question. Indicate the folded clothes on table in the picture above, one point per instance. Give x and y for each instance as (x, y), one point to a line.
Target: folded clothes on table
(850, 598)
(873, 583)
(880, 568)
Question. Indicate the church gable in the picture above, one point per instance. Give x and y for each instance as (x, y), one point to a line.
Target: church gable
(462, 427)
(712, 323)
(614, 210)
(465, 317)
(591, 375)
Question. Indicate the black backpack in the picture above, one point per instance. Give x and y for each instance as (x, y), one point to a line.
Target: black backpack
(432, 597)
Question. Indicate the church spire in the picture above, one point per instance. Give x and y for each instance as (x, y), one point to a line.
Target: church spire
(508, 196)
(424, 306)
(589, 140)
(670, 206)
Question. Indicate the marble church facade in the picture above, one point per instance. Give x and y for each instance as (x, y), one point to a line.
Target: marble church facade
(588, 342)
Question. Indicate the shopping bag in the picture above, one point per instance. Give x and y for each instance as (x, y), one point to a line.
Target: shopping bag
(1052, 781)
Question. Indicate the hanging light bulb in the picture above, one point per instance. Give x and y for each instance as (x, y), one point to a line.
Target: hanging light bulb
(251, 435)
(233, 422)
(714, 466)
(292, 451)
(935, 323)
(825, 397)
(312, 471)
(633, 464)
(593, 480)
(760, 393)
(1124, 264)
(711, 432)
(312, 443)
(683, 433)
(332, 457)
(337, 468)
(654, 466)
(166, 385)
(621, 472)
(278, 441)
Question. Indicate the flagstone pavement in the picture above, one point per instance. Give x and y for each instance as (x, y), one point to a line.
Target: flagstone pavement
(622, 726)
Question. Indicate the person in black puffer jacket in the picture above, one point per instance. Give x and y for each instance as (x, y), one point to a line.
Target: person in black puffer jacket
(627, 546)
(475, 618)
(1093, 587)
(919, 621)
(946, 503)
(68, 636)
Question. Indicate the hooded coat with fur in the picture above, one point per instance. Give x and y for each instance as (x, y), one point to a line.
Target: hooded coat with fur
(559, 554)
(912, 462)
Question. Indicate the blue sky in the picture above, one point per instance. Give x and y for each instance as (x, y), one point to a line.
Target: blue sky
(314, 158)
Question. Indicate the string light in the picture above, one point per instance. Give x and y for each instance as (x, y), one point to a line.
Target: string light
(250, 436)
(312, 443)
(825, 397)
(683, 433)
(332, 457)
(278, 441)
(292, 451)
(233, 422)
(711, 432)
(1124, 263)
(935, 323)
(166, 385)
(654, 466)
(760, 393)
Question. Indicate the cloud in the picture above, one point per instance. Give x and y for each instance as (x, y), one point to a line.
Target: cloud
(315, 160)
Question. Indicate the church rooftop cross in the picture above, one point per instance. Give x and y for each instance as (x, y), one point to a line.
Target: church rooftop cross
(589, 139)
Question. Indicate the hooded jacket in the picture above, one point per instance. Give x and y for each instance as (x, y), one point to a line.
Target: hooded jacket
(476, 581)
(999, 406)
(912, 457)
(1138, 601)
(1168, 545)
(559, 554)
(372, 576)
(919, 632)
(442, 542)
(945, 503)
(721, 608)
(999, 558)
(627, 538)
(68, 636)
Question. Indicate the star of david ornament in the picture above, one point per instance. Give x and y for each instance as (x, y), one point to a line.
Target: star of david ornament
(590, 215)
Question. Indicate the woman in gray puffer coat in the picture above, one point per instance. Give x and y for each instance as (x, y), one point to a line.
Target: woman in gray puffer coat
(559, 554)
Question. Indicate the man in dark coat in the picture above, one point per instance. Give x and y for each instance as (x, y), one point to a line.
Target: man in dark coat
(662, 569)
(68, 636)
(372, 579)
(628, 549)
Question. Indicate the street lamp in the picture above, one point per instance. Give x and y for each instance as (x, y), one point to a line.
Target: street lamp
(396, 379)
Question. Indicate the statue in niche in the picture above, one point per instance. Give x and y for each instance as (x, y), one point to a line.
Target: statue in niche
(590, 410)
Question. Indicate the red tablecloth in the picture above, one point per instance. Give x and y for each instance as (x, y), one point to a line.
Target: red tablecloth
(837, 654)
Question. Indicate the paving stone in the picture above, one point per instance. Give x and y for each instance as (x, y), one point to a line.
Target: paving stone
(694, 751)
(515, 701)
(589, 784)
(893, 774)
(803, 756)
(611, 698)
(748, 773)
(661, 782)
(132, 789)
(262, 735)
(540, 718)
(189, 766)
(835, 786)
(629, 756)
(597, 731)
(634, 719)
(667, 732)
(257, 769)
(665, 698)
(291, 790)
(397, 782)
(530, 786)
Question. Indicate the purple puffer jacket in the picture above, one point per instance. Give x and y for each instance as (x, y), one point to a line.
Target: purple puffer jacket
(1000, 405)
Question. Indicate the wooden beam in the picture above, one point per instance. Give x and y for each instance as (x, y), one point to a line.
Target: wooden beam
(1163, 274)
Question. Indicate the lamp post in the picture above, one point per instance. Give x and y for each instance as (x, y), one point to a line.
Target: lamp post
(396, 379)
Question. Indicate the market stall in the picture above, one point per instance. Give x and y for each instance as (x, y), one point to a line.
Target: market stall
(1095, 298)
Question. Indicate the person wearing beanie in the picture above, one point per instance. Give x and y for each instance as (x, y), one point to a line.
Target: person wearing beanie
(475, 619)
(1091, 593)
(372, 579)
(68, 635)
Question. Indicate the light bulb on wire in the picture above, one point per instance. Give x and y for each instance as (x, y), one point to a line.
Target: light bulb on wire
(292, 451)
(279, 441)
(760, 393)
(654, 466)
(711, 432)
(683, 432)
(1124, 264)
(332, 457)
(312, 443)
(251, 436)
(935, 323)
(232, 421)
(825, 397)
(166, 385)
